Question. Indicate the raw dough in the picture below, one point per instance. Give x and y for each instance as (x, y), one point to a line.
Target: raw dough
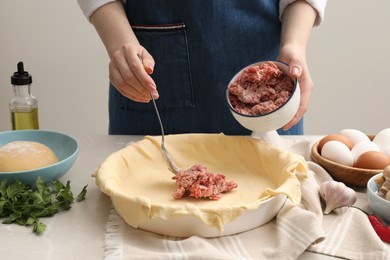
(25, 155)
(139, 182)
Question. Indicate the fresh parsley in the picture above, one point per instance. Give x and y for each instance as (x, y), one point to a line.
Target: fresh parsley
(21, 204)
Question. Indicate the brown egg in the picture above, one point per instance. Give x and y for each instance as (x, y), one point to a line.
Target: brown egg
(335, 137)
(372, 160)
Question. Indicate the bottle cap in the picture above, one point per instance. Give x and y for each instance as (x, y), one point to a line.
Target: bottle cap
(21, 77)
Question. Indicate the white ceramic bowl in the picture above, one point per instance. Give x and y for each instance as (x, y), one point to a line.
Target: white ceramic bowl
(274, 119)
(380, 206)
(139, 182)
(189, 225)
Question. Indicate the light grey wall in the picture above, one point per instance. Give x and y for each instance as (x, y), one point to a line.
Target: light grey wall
(348, 57)
(349, 60)
(66, 59)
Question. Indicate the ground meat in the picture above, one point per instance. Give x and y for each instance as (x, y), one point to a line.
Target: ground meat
(198, 182)
(260, 89)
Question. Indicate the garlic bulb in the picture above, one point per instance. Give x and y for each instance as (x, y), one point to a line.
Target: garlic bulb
(336, 195)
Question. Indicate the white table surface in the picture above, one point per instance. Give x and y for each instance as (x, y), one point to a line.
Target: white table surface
(79, 232)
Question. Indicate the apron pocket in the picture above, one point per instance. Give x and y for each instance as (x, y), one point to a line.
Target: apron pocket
(172, 73)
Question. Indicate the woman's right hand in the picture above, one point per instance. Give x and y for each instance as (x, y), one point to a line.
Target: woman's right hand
(129, 71)
(131, 64)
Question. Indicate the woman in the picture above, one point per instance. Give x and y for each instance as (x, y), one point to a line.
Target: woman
(184, 53)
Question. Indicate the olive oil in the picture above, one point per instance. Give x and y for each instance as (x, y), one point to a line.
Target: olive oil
(24, 106)
(21, 120)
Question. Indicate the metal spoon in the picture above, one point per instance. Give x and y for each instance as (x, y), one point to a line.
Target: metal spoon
(174, 169)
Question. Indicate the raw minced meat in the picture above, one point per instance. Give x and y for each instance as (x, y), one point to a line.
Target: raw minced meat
(200, 183)
(260, 89)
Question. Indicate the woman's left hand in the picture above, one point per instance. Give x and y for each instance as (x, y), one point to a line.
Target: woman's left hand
(296, 59)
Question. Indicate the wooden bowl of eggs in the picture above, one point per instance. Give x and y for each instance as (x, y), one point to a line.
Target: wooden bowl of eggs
(353, 157)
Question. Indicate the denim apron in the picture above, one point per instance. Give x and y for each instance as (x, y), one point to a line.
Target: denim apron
(198, 46)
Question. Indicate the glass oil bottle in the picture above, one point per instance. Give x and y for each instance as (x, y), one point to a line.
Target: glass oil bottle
(23, 107)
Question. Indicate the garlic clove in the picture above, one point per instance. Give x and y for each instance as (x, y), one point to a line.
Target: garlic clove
(336, 195)
(384, 188)
(386, 173)
(379, 181)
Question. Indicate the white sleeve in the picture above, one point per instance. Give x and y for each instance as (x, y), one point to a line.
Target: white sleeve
(318, 5)
(90, 6)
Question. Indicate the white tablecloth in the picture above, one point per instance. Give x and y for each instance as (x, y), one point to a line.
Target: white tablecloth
(294, 230)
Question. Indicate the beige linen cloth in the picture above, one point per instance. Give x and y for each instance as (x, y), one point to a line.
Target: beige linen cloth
(344, 233)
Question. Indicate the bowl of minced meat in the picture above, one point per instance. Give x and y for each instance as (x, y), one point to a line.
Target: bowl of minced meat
(262, 97)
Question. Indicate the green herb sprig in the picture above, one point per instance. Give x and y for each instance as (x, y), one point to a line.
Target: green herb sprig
(21, 204)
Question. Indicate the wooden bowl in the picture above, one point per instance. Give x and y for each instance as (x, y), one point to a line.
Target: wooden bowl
(351, 176)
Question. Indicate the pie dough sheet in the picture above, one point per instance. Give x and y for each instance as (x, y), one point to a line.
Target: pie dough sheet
(139, 182)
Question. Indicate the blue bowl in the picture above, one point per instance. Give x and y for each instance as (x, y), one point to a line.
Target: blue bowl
(379, 205)
(65, 147)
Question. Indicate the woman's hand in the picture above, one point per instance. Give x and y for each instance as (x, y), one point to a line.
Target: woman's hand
(297, 21)
(296, 59)
(129, 71)
(130, 63)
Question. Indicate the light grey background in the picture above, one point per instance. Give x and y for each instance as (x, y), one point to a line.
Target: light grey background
(348, 57)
